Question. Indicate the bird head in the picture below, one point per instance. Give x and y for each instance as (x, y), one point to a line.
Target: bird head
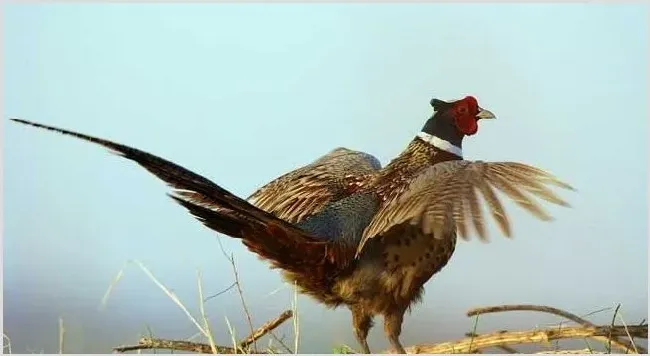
(462, 114)
(451, 122)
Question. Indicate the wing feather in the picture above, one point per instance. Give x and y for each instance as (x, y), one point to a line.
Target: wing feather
(308, 189)
(476, 212)
(534, 186)
(495, 207)
(460, 216)
(514, 192)
(450, 192)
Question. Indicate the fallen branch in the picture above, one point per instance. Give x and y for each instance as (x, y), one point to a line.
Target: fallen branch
(188, 346)
(625, 345)
(473, 343)
(468, 345)
(264, 329)
(178, 345)
(583, 351)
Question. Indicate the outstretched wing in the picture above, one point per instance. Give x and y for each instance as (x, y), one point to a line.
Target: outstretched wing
(309, 189)
(448, 192)
(272, 238)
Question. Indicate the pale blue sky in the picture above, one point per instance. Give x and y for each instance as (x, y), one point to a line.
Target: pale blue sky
(243, 93)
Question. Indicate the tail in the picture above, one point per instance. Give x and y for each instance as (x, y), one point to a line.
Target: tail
(274, 239)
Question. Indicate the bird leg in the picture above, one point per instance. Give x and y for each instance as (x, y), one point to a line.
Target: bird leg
(393, 328)
(362, 322)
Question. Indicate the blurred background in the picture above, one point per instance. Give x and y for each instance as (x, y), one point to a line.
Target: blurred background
(243, 93)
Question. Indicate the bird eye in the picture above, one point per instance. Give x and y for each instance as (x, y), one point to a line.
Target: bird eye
(462, 109)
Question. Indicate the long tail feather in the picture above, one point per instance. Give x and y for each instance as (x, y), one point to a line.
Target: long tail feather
(283, 243)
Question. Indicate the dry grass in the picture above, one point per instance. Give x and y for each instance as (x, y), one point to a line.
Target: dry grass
(6, 344)
(613, 338)
(61, 336)
(246, 345)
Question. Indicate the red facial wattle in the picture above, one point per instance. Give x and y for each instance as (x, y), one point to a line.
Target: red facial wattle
(465, 112)
(466, 124)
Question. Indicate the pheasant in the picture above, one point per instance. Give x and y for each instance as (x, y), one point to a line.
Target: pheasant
(347, 231)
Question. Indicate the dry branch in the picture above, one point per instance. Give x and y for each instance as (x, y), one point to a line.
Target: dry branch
(471, 344)
(583, 351)
(468, 345)
(264, 329)
(180, 345)
(625, 345)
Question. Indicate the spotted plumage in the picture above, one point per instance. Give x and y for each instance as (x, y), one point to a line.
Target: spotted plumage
(348, 231)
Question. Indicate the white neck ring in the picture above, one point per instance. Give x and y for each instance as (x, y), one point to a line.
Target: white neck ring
(441, 144)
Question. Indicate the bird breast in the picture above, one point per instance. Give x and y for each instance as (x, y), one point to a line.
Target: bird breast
(392, 271)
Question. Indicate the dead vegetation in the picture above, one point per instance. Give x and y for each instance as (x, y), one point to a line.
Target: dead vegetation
(616, 337)
(609, 335)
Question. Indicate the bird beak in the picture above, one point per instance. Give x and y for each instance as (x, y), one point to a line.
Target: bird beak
(485, 114)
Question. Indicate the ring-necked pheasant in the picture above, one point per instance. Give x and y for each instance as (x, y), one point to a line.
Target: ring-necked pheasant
(349, 232)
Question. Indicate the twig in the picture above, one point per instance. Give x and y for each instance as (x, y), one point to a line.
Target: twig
(181, 345)
(596, 312)
(473, 332)
(591, 350)
(206, 324)
(264, 329)
(551, 310)
(231, 258)
(628, 334)
(171, 296)
(461, 346)
(61, 336)
(609, 344)
(583, 351)
(113, 283)
(296, 325)
(529, 307)
(525, 337)
(281, 342)
(220, 293)
(7, 344)
(232, 334)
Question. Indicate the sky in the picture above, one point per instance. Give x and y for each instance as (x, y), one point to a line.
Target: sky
(244, 93)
